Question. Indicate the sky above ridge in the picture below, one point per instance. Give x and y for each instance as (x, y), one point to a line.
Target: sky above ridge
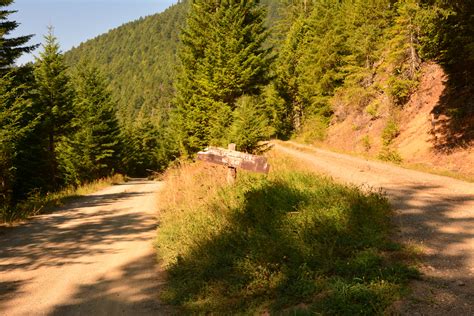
(76, 21)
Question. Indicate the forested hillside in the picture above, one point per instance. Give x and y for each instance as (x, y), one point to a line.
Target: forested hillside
(351, 73)
(351, 62)
(139, 59)
(359, 74)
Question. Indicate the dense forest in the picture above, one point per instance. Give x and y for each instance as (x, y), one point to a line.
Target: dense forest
(213, 72)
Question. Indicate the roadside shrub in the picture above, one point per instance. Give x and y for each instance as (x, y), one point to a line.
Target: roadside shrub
(390, 132)
(366, 143)
(314, 129)
(390, 155)
(400, 89)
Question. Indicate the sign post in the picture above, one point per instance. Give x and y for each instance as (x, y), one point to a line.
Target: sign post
(234, 159)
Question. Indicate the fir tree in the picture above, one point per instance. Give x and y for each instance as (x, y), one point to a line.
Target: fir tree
(222, 58)
(10, 48)
(93, 150)
(250, 127)
(15, 125)
(54, 98)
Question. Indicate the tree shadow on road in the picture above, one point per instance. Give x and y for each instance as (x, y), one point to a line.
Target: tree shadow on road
(69, 236)
(65, 236)
(133, 292)
(442, 225)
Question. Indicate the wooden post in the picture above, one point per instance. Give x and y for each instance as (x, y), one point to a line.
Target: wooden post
(231, 171)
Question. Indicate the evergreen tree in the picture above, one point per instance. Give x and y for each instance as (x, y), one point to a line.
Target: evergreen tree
(10, 48)
(17, 116)
(146, 147)
(15, 125)
(222, 58)
(310, 66)
(403, 54)
(54, 98)
(249, 126)
(93, 150)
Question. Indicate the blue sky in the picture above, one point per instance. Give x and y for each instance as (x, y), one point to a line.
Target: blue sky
(76, 21)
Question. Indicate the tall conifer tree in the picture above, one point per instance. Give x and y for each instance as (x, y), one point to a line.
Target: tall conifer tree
(54, 98)
(17, 119)
(92, 151)
(222, 58)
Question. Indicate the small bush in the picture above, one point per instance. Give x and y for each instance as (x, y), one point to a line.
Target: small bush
(390, 132)
(390, 155)
(400, 89)
(366, 143)
(314, 129)
(372, 109)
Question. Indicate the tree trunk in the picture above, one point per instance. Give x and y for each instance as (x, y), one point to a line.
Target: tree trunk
(52, 160)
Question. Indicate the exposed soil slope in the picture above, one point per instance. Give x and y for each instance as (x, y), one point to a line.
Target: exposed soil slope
(434, 212)
(94, 257)
(425, 128)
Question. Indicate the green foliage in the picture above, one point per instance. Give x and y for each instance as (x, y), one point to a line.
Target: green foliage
(15, 125)
(390, 155)
(366, 143)
(10, 48)
(400, 89)
(17, 116)
(313, 130)
(249, 127)
(446, 29)
(373, 108)
(54, 96)
(146, 147)
(92, 150)
(139, 61)
(222, 58)
(390, 132)
(271, 243)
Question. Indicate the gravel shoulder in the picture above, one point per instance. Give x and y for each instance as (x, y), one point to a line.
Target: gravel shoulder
(432, 212)
(93, 257)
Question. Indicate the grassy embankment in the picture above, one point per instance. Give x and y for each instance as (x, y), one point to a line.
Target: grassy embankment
(40, 203)
(293, 241)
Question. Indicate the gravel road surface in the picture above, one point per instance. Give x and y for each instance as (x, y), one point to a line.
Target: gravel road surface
(94, 257)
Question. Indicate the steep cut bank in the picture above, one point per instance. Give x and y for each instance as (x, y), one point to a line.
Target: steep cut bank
(423, 137)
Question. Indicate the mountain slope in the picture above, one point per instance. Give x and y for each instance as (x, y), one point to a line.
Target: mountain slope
(139, 59)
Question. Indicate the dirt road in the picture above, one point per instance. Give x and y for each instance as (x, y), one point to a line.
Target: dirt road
(434, 212)
(94, 257)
